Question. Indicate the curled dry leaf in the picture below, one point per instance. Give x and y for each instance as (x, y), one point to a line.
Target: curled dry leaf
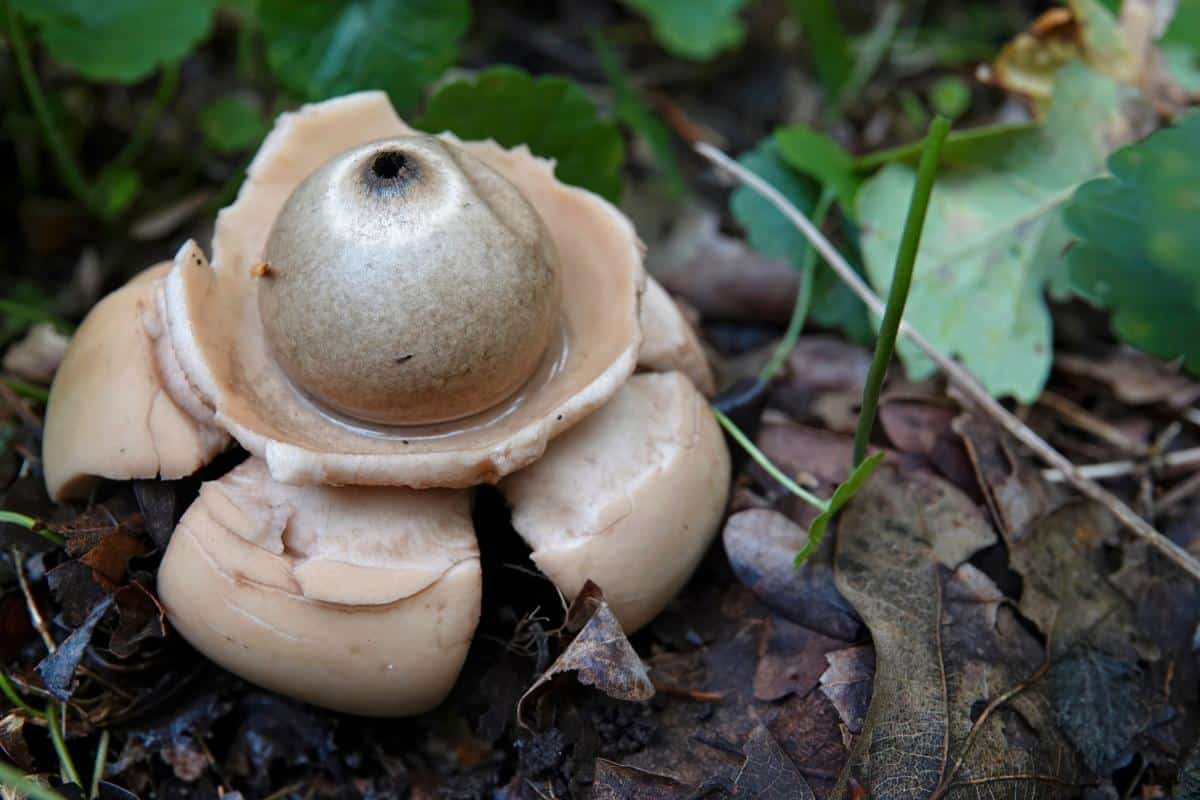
(599, 655)
(57, 670)
(761, 545)
(944, 646)
(12, 741)
(768, 773)
(141, 617)
(1015, 494)
(847, 683)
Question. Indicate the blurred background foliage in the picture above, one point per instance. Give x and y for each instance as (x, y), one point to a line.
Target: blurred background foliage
(129, 123)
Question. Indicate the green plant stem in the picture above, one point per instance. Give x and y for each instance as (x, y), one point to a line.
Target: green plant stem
(906, 257)
(31, 524)
(68, 169)
(168, 83)
(28, 390)
(56, 714)
(803, 297)
(962, 140)
(761, 459)
(13, 778)
(15, 698)
(98, 769)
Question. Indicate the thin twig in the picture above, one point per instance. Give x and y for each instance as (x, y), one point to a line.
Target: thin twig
(1179, 492)
(1117, 469)
(1086, 421)
(958, 374)
(35, 613)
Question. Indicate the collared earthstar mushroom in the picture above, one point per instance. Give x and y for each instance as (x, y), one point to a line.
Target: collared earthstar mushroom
(388, 320)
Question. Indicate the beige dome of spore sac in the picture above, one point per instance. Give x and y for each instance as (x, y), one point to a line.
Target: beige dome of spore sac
(214, 311)
(408, 283)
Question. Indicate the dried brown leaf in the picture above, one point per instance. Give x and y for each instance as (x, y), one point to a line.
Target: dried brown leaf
(944, 647)
(599, 656)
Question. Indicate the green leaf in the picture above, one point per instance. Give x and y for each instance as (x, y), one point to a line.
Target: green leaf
(842, 495)
(118, 40)
(693, 29)
(994, 237)
(1138, 243)
(631, 109)
(232, 124)
(813, 153)
(334, 47)
(827, 41)
(552, 115)
(770, 233)
(115, 189)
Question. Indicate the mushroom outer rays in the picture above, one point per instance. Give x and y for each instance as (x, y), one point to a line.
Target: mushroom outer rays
(109, 414)
(631, 498)
(356, 598)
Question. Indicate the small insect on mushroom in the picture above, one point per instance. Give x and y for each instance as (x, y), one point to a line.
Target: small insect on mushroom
(390, 319)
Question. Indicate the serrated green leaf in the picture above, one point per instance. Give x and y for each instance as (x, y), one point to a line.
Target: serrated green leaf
(118, 40)
(334, 47)
(770, 233)
(842, 495)
(994, 237)
(1138, 243)
(552, 115)
(232, 124)
(694, 29)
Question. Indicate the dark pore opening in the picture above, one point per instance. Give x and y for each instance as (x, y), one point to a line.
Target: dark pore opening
(389, 165)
